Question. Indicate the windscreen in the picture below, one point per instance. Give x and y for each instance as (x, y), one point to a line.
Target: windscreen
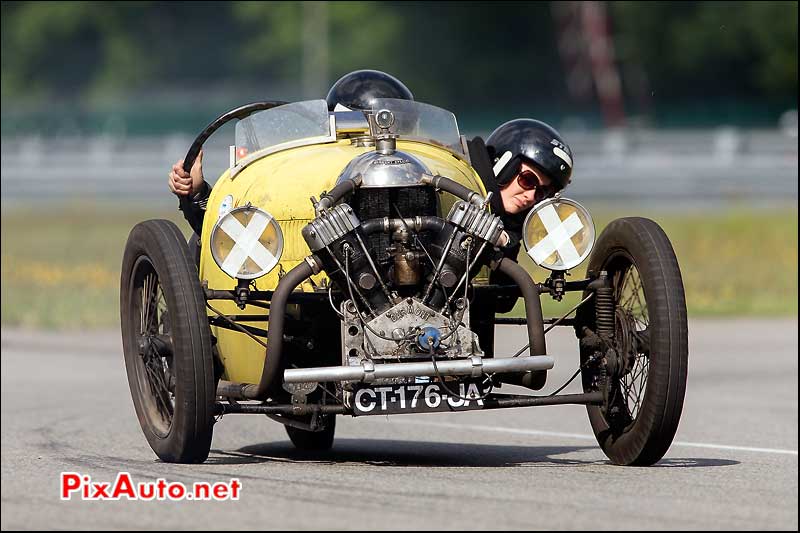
(280, 125)
(424, 122)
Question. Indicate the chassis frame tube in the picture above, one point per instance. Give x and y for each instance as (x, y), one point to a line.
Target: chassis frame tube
(502, 401)
(260, 298)
(500, 320)
(493, 401)
(221, 322)
(278, 409)
(368, 371)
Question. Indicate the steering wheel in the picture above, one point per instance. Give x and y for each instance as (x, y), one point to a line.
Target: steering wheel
(238, 113)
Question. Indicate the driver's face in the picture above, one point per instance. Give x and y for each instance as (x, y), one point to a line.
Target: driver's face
(517, 199)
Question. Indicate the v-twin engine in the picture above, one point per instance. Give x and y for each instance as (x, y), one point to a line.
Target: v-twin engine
(409, 298)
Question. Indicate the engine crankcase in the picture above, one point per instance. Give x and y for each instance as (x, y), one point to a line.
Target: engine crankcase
(397, 329)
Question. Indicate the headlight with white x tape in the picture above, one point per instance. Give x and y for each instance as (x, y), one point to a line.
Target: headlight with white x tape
(558, 234)
(246, 242)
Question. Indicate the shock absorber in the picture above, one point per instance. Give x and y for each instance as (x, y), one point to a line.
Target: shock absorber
(604, 321)
(604, 308)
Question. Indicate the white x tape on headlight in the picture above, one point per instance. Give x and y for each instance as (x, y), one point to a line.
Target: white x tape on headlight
(246, 243)
(559, 237)
(558, 234)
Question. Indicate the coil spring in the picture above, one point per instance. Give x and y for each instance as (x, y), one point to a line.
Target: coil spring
(604, 322)
(604, 311)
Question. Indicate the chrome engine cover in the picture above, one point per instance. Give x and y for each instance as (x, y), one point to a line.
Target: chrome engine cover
(400, 322)
(396, 169)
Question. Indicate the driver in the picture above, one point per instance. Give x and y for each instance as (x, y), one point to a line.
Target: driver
(523, 162)
(353, 91)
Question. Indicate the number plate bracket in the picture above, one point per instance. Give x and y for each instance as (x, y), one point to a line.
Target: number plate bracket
(421, 397)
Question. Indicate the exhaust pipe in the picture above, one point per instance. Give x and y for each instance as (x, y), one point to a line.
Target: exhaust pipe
(535, 321)
(368, 371)
(259, 391)
(530, 380)
(533, 306)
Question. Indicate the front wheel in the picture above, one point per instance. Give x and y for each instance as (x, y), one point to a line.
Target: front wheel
(643, 377)
(167, 343)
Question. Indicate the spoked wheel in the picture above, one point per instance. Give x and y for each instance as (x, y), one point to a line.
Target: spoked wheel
(167, 343)
(156, 380)
(631, 332)
(645, 375)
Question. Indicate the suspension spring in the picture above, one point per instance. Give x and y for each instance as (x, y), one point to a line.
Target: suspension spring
(604, 323)
(604, 309)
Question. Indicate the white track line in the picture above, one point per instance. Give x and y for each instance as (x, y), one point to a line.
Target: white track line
(580, 436)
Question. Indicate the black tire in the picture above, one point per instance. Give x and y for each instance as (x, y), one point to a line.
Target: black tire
(313, 441)
(167, 343)
(645, 399)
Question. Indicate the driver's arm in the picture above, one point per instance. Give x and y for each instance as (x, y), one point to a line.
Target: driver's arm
(482, 163)
(191, 184)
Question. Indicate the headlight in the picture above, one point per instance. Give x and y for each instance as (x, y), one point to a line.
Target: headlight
(558, 234)
(246, 243)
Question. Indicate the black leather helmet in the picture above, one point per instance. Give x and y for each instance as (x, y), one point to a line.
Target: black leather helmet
(359, 88)
(534, 142)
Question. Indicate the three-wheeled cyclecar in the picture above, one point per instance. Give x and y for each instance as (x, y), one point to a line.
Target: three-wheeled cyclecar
(346, 266)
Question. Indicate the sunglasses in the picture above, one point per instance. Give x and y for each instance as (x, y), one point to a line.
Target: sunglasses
(528, 180)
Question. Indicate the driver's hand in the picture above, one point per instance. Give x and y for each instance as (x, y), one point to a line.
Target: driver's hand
(504, 239)
(183, 183)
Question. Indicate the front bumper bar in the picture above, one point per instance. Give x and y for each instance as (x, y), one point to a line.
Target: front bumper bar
(368, 371)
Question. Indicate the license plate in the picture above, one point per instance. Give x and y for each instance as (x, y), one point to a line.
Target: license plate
(417, 398)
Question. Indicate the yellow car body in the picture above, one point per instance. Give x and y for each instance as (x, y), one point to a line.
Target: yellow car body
(281, 183)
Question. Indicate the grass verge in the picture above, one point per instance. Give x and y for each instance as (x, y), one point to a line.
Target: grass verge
(60, 267)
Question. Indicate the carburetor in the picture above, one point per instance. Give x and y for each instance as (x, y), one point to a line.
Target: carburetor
(407, 266)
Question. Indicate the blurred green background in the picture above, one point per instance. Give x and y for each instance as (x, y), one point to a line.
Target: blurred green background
(153, 63)
(123, 70)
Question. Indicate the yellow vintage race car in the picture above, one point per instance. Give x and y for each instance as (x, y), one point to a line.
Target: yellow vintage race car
(350, 264)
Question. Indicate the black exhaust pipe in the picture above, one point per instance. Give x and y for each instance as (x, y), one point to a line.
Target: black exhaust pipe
(277, 317)
(535, 322)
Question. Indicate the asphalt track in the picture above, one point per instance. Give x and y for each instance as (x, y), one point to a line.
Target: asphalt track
(733, 465)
